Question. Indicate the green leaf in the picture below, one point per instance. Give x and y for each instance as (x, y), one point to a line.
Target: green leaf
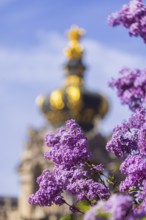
(143, 218)
(104, 214)
(83, 205)
(66, 217)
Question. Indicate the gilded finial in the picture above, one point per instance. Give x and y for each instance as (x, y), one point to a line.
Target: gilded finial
(75, 50)
(75, 33)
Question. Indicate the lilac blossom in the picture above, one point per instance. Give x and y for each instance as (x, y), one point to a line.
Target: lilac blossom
(79, 182)
(142, 139)
(131, 87)
(49, 191)
(123, 140)
(134, 167)
(72, 172)
(67, 146)
(89, 189)
(128, 141)
(134, 164)
(117, 207)
(127, 137)
(133, 17)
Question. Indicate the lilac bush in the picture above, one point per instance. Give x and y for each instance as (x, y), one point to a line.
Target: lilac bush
(73, 173)
(129, 142)
(133, 17)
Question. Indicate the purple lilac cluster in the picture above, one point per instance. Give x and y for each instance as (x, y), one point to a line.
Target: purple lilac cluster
(131, 87)
(129, 137)
(129, 142)
(68, 151)
(117, 207)
(49, 191)
(132, 17)
(68, 146)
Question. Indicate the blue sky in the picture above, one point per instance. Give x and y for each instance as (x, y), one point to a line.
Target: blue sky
(31, 42)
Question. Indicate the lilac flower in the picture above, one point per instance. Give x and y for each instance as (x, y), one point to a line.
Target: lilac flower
(129, 183)
(128, 141)
(49, 191)
(131, 87)
(68, 152)
(117, 207)
(68, 146)
(129, 137)
(134, 167)
(138, 119)
(123, 141)
(142, 139)
(134, 164)
(67, 177)
(90, 189)
(80, 183)
(132, 17)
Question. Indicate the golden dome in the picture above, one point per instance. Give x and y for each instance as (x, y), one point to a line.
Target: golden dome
(73, 100)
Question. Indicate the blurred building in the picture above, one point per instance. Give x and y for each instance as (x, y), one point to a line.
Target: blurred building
(72, 100)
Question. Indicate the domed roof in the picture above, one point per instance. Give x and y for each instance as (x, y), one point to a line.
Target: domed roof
(73, 99)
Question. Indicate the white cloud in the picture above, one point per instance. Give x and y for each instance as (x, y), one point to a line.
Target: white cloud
(38, 64)
(106, 62)
(44, 62)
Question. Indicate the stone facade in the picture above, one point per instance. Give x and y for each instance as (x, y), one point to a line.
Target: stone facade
(8, 208)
